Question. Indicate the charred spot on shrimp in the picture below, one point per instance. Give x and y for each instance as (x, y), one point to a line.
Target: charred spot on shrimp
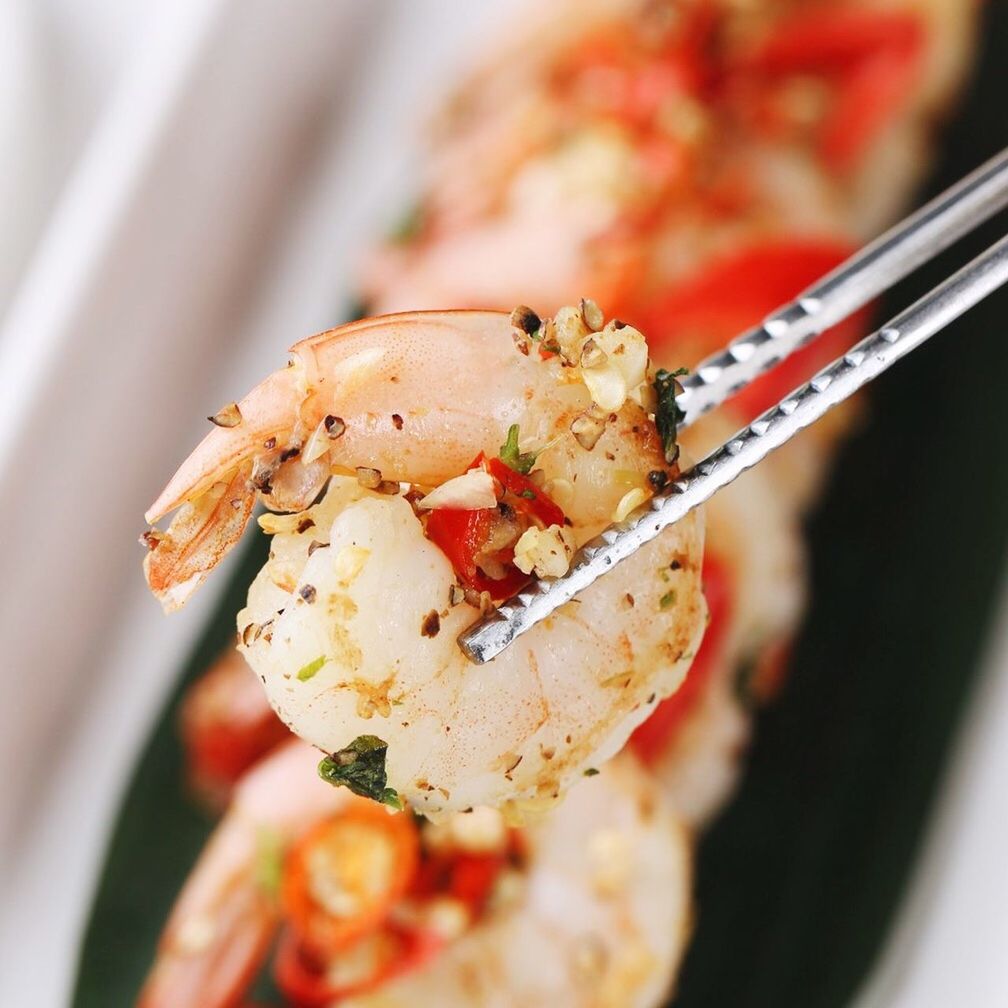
(431, 625)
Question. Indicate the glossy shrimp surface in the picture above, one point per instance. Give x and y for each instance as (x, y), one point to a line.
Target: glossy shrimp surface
(592, 909)
(351, 625)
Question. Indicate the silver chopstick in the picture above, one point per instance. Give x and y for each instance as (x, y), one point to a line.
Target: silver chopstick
(852, 285)
(489, 636)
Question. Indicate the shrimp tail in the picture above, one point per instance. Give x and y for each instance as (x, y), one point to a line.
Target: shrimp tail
(200, 535)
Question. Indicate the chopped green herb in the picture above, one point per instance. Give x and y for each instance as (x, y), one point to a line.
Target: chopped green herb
(268, 860)
(519, 461)
(527, 494)
(307, 671)
(590, 772)
(667, 599)
(667, 414)
(361, 768)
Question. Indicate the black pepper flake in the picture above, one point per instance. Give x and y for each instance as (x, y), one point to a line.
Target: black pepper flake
(675, 565)
(308, 593)
(431, 625)
(334, 427)
(289, 453)
(304, 525)
(397, 421)
(629, 599)
(526, 320)
(658, 479)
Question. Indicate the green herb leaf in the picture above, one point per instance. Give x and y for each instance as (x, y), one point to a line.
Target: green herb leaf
(527, 494)
(307, 671)
(361, 768)
(667, 413)
(519, 461)
(590, 772)
(667, 599)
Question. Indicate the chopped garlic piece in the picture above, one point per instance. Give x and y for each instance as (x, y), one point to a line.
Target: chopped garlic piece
(546, 552)
(626, 356)
(628, 502)
(276, 524)
(570, 332)
(607, 386)
(471, 491)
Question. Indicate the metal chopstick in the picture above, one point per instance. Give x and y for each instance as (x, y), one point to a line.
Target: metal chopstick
(852, 285)
(489, 636)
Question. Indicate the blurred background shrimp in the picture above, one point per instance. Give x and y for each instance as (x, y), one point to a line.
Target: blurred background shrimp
(692, 165)
(348, 903)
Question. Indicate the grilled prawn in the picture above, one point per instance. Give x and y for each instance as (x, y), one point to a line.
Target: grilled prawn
(363, 907)
(519, 439)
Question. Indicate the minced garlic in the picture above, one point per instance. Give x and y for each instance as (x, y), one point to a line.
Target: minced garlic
(628, 502)
(618, 365)
(545, 552)
(472, 491)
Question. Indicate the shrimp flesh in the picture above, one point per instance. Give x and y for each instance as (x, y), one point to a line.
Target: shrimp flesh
(592, 911)
(351, 625)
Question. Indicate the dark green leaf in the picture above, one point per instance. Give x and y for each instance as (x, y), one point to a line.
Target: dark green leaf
(361, 768)
(667, 413)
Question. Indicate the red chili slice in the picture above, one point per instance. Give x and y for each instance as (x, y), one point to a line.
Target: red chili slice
(301, 976)
(461, 535)
(873, 58)
(725, 297)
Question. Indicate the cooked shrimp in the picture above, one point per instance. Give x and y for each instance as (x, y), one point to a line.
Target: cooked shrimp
(602, 921)
(223, 921)
(754, 582)
(588, 907)
(226, 724)
(352, 623)
(592, 152)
